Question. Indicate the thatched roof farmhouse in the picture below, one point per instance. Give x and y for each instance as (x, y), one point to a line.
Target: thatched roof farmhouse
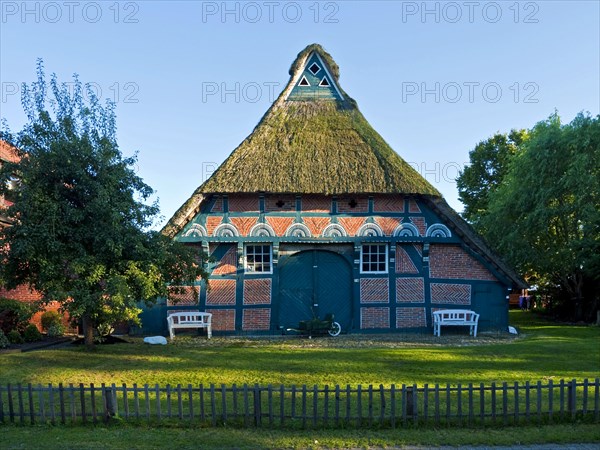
(314, 214)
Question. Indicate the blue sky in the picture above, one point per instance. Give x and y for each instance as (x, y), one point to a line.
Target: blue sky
(191, 79)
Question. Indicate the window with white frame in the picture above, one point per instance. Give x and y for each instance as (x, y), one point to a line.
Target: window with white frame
(259, 258)
(373, 258)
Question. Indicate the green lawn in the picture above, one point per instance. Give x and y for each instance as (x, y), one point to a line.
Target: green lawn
(132, 437)
(544, 350)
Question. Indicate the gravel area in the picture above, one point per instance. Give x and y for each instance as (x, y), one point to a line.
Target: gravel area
(347, 341)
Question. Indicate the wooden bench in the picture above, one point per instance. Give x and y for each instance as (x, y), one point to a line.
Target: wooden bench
(455, 317)
(189, 319)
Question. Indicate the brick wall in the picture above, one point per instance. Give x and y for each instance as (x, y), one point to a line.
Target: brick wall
(186, 298)
(393, 203)
(243, 224)
(419, 222)
(243, 203)
(257, 291)
(413, 207)
(289, 203)
(212, 222)
(222, 319)
(451, 294)
(362, 205)
(410, 317)
(280, 224)
(404, 263)
(256, 319)
(388, 224)
(217, 207)
(374, 290)
(316, 203)
(351, 224)
(221, 292)
(27, 295)
(451, 261)
(316, 225)
(227, 265)
(410, 290)
(374, 317)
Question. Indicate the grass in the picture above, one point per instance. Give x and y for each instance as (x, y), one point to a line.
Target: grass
(134, 437)
(544, 350)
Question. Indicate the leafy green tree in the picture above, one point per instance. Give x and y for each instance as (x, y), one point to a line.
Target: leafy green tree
(80, 232)
(544, 216)
(489, 162)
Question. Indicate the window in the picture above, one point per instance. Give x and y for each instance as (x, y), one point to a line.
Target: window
(314, 68)
(324, 82)
(304, 82)
(258, 258)
(373, 258)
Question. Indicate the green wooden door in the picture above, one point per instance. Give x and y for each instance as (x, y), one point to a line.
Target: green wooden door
(315, 283)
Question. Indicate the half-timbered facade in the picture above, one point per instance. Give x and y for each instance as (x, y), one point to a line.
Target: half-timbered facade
(314, 213)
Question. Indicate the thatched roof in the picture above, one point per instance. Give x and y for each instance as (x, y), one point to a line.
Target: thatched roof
(308, 146)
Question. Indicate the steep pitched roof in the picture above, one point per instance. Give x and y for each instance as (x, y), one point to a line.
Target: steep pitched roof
(313, 139)
(9, 154)
(473, 240)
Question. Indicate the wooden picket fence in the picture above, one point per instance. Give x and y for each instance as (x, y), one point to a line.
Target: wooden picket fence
(303, 406)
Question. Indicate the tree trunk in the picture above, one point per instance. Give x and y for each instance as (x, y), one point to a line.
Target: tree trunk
(88, 331)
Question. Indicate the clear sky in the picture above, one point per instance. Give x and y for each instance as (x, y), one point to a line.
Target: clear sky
(191, 79)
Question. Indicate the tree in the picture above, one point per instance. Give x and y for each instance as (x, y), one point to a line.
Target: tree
(80, 232)
(489, 162)
(544, 216)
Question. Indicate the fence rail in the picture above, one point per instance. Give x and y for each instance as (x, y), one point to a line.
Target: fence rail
(305, 406)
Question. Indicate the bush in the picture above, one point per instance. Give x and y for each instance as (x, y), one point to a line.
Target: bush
(55, 330)
(4, 342)
(50, 318)
(14, 315)
(15, 337)
(32, 334)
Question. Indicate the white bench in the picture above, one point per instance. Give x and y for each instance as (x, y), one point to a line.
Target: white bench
(189, 319)
(455, 317)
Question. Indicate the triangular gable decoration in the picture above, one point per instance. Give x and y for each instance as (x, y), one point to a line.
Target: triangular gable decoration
(324, 82)
(304, 82)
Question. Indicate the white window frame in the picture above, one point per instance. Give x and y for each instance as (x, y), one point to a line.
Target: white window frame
(250, 269)
(362, 248)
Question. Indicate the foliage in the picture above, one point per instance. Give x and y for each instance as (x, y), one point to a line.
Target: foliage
(32, 334)
(105, 329)
(80, 233)
(50, 318)
(4, 342)
(489, 162)
(55, 330)
(545, 216)
(14, 315)
(15, 337)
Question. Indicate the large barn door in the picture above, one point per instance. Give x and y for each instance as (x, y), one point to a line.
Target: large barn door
(315, 277)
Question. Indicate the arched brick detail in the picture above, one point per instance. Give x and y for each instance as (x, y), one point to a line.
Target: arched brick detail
(316, 225)
(351, 224)
(388, 224)
(280, 224)
(244, 224)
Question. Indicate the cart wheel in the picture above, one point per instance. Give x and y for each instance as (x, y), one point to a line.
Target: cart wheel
(335, 329)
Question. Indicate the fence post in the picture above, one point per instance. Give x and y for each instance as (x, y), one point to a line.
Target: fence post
(257, 409)
(571, 398)
(109, 404)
